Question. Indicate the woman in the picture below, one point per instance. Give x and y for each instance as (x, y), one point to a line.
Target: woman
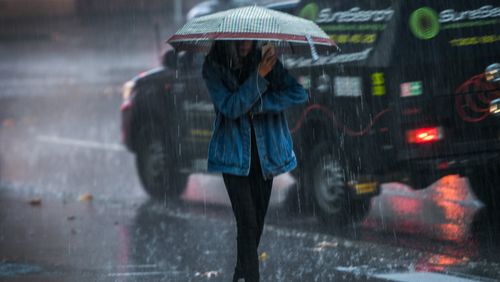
(250, 141)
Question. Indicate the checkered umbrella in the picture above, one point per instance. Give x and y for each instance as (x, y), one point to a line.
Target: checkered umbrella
(253, 23)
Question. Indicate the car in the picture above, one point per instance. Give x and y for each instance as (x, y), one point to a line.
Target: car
(411, 98)
(413, 94)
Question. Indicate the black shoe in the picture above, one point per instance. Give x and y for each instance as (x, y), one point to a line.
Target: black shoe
(238, 275)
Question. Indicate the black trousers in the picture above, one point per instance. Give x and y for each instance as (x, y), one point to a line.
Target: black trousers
(249, 197)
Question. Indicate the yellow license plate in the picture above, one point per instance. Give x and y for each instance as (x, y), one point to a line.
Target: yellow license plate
(365, 187)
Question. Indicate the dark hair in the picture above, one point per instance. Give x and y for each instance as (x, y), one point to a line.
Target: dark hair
(225, 54)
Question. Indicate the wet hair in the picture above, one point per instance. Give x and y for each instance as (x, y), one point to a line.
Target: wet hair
(225, 54)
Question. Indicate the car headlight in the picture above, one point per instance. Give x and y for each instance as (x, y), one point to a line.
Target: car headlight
(127, 89)
(495, 107)
(492, 73)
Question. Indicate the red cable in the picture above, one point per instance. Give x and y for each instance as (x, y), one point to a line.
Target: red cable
(472, 104)
(462, 90)
(329, 113)
(475, 81)
(464, 116)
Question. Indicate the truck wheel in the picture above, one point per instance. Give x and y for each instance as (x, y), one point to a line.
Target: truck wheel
(485, 183)
(157, 169)
(328, 174)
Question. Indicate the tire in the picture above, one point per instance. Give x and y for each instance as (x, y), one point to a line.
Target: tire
(157, 168)
(327, 178)
(485, 183)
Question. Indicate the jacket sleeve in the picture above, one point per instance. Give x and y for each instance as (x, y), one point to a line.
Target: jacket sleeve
(280, 99)
(233, 104)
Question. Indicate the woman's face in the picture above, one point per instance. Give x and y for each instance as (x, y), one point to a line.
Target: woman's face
(244, 47)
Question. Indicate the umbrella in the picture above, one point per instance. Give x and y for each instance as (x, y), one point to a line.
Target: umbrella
(253, 23)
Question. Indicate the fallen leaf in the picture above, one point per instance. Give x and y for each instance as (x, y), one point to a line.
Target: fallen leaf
(263, 256)
(35, 202)
(86, 197)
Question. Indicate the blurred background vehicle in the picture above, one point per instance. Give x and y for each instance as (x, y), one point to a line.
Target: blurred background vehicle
(167, 119)
(406, 101)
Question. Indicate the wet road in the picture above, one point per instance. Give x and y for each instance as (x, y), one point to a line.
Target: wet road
(59, 145)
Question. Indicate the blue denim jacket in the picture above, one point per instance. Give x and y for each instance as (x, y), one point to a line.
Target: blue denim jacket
(230, 145)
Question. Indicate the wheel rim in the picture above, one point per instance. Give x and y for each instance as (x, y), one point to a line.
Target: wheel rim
(155, 164)
(329, 184)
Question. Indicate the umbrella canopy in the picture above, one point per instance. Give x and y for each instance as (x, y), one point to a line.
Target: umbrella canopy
(252, 23)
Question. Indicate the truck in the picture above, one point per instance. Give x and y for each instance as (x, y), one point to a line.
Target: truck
(412, 97)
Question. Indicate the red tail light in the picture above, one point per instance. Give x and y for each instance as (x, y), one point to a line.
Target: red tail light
(424, 135)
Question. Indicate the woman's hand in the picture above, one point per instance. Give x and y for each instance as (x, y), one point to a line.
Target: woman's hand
(267, 62)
